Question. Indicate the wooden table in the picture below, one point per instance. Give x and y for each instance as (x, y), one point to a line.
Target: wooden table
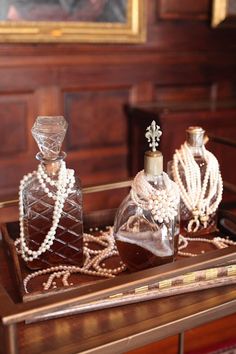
(117, 329)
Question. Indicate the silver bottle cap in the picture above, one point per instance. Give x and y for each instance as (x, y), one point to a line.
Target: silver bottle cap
(195, 136)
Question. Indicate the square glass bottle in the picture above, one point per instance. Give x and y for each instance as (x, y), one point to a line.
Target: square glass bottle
(50, 203)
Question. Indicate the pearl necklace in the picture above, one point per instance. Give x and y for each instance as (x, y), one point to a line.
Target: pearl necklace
(218, 242)
(162, 203)
(63, 187)
(93, 265)
(198, 196)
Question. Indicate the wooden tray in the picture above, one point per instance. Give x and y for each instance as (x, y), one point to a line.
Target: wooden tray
(121, 290)
(184, 275)
(144, 323)
(10, 231)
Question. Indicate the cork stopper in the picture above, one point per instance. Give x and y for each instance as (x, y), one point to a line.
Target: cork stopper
(153, 159)
(195, 136)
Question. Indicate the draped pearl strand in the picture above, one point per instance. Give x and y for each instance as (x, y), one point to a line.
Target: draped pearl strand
(163, 203)
(63, 187)
(93, 264)
(218, 242)
(198, 195)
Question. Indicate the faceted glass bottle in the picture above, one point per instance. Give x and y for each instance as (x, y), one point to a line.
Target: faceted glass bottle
(38, 206)
(195, 142)
(141, 239)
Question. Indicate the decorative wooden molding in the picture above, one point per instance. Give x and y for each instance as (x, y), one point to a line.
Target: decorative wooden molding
(183, 9)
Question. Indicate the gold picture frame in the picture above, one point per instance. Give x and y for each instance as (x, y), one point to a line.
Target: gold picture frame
(224, 13)
(219, 12)
(133, 30)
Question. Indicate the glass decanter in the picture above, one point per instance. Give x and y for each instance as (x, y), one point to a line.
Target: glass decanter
(51, 220)
(196, 171)
(146, 226)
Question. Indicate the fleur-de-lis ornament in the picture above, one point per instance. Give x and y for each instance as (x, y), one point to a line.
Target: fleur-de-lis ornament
(153, 134)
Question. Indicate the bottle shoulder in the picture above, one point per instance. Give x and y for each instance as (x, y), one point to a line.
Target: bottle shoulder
(33, 185)
(162, 182)
(78, 184)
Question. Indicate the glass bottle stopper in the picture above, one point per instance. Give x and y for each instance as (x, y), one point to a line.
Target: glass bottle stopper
(49, 133)
(153, 159)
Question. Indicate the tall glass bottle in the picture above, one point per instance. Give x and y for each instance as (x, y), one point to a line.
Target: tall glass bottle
(50, 198)
(146, 226)
(196, 171)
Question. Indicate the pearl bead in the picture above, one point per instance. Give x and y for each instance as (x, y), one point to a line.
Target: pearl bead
(162, 203)
(194, 194)
(91, 265)
(219, 242)
(65, 179)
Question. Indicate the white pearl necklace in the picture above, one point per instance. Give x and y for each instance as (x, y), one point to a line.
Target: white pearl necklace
(94, 262)
(63, 187)
(218, 242)
(162, 203)
(198, 196)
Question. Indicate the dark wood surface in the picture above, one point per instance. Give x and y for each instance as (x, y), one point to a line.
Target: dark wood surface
(130, 327)
(182, 59)
(214, 335)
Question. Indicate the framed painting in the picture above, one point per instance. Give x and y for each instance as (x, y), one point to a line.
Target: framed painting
(85, 21)
(224, 13)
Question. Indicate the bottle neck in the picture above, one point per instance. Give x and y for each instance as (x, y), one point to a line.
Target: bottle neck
(153, 163)
(51, 167)
(195, 141)
(155, 181)
(197, 150)
(195, 136)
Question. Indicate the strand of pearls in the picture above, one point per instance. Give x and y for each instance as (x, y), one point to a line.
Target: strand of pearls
(218, 242)
(198, 195)
(63, 187)
(163, 203)
(94, 262)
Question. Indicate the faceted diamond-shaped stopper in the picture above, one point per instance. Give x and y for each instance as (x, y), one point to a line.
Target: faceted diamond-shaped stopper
(49, 133)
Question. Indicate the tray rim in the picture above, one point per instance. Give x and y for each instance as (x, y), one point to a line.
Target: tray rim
(27, 311)
(14, 261)
(91, 220)
(12, 313)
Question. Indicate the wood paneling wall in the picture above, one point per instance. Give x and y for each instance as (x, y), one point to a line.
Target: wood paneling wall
(183, 58)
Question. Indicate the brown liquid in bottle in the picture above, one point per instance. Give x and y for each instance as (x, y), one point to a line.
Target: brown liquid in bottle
(136, 255)
(186, 215)
(150, 244)
(137, 258)
(67, 247)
